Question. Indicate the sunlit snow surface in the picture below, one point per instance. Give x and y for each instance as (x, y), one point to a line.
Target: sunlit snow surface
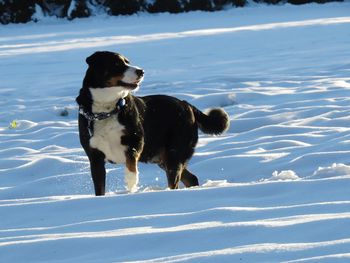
(274, 188)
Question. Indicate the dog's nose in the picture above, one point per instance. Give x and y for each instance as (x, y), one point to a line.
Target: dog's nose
(140, 72)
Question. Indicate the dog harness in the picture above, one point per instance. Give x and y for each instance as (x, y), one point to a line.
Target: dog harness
(91, 117)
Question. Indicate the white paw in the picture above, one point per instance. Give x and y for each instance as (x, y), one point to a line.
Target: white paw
(131, 180)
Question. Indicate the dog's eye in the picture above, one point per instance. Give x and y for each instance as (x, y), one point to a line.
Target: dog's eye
(119, 65)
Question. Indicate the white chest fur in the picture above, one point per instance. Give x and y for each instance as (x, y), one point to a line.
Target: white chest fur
(107, 139)
(108, 132)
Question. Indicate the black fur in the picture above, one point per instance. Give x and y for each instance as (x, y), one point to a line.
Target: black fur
(158, 129)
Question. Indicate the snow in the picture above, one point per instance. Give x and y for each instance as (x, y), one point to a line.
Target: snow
(274, 188)
(336, 169)
(284, 175)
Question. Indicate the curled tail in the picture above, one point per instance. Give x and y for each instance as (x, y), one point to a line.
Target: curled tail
(216, 121)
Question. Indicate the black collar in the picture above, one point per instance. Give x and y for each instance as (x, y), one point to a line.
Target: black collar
(91, 117)
(102, 115)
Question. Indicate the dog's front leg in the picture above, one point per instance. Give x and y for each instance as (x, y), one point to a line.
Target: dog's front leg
(131, 174)
(134, 142)
(98, 172)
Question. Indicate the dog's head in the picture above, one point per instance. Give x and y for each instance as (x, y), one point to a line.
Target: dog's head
(108, 69)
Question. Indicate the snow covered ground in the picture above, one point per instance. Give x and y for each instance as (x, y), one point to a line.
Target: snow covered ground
(274, 188)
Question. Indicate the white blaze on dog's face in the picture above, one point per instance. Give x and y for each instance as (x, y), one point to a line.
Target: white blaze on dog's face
(133, 75)
(112, 76)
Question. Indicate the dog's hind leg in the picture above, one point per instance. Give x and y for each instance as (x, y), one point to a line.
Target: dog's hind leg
(98, 172)
(174, 175)
(188, 178)
(173, 168)
(173, 172)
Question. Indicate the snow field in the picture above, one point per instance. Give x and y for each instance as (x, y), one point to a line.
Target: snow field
(274, 188)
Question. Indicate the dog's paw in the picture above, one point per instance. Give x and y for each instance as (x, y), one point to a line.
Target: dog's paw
(131, 180)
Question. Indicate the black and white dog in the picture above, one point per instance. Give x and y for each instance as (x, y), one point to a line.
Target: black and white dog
(117, 127)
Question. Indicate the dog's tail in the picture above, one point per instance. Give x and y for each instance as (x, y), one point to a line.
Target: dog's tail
(216, 121)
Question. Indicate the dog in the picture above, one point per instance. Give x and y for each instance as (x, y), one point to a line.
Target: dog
(116, 126)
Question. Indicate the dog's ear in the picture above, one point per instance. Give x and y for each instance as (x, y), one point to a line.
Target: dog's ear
(79, 99)
(91, 59)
